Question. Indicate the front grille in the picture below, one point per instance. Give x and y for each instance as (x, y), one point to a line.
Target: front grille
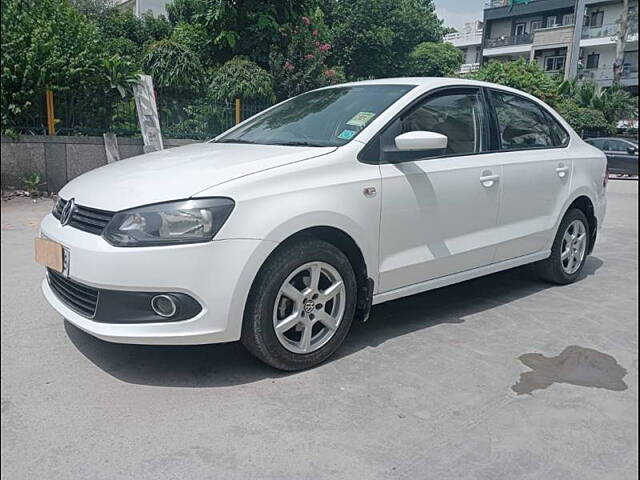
(78, 297)
(86, 219)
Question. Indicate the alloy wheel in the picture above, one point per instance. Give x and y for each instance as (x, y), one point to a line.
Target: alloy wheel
(309, 307)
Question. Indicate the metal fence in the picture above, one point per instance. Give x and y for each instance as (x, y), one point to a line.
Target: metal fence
(91, 113)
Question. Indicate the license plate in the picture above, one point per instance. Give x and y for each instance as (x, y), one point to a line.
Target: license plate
(50, 254)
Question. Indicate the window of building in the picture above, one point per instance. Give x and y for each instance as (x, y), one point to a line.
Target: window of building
(554, 64)
(520, 29)
(593, 59)
(524, 124)
(536, 25)
(552, 21)
(596, 18)
(568, 19)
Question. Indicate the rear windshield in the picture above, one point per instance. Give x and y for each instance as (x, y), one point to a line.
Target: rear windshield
(322, 118)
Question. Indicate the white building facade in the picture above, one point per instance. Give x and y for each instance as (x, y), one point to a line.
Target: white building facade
(469, 40)
(546, 31)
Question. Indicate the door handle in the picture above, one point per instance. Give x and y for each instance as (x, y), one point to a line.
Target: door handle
(489, 180)
(562, 170)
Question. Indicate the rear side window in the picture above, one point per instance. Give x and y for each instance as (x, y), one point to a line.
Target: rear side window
(523, 124)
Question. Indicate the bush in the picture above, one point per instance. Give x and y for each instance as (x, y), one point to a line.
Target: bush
(193, 36)
(45, 45)
(173, 67)
(432, 59)
(241, 78)
(583, 118)
(303, 64)
(528, 77)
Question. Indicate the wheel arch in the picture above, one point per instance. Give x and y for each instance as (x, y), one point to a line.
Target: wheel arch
(584, 203)
(344, 242)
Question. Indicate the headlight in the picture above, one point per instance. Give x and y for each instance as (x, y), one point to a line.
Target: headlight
(186, 221)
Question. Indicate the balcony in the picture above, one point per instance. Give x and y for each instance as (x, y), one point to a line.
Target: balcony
(604, 75)
(506, 41)
(505, 3)
(469, 67)
(607, 33)
(462, 39)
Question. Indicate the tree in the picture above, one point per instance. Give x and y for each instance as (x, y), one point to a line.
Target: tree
(528, 77)
(373, 38)
(621, 40)
(46, 44)
(302, 66)
(615, 103)
(247, 27)
(432, 59)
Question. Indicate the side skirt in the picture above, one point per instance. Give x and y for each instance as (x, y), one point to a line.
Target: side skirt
(459, 277)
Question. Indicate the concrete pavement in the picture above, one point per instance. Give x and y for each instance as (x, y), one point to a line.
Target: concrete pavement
(423, 390)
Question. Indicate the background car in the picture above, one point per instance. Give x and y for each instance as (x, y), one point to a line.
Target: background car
(622, 154)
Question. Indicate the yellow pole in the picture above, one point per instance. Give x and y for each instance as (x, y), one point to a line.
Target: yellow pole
(237, 111)
(51, 126)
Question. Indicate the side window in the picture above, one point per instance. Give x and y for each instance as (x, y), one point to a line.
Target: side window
(523, 124)
(618, 146)
(458, 115)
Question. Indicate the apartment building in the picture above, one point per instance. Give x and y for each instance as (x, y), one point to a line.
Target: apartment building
(546, 31)
(141, 7)
(469, 40)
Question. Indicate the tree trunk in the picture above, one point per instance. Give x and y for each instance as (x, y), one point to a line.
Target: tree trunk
(621, 40)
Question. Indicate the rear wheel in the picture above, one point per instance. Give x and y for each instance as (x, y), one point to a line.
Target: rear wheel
(301, 305)
(569, 251)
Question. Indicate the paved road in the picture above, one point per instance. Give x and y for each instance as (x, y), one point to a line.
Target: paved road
(421, 391)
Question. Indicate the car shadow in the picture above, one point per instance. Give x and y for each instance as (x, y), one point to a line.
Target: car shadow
(205, 366)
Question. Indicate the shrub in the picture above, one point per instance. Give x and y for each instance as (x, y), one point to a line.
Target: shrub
(241, 78)
(173, 67)
(432, 59)
(583, 118)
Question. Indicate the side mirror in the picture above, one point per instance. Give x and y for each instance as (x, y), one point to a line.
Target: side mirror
(421, 140)
(632, 150)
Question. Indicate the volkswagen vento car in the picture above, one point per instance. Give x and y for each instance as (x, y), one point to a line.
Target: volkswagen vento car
(622, 154)
(284, 229)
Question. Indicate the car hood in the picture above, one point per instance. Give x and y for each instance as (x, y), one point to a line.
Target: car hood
(178, 173)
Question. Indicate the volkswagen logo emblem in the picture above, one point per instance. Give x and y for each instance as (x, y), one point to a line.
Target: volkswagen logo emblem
(67, 212)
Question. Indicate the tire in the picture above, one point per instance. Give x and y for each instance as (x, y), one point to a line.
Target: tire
(268, 304)
(555, 268)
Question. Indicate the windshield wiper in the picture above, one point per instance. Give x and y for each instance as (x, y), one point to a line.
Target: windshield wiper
(236, 141)
(299, 144)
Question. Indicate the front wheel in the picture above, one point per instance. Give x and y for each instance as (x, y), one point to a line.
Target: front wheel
(569, 251)
(301, 305)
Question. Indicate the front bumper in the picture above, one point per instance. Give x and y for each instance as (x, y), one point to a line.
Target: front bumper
(217, 274)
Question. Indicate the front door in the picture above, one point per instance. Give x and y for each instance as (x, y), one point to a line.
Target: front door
(439, 214)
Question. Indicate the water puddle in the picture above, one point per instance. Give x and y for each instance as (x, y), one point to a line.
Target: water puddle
(580, 366)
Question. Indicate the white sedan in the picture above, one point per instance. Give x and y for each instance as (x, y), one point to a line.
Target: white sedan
(284, 229)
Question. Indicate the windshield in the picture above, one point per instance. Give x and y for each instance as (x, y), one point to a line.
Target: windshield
(322, 118)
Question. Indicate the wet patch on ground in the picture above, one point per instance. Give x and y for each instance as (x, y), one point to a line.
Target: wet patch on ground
(576, 365)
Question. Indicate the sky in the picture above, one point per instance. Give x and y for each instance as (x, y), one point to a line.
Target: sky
(456, 13)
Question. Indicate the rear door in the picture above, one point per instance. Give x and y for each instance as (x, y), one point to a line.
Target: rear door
(536, 174)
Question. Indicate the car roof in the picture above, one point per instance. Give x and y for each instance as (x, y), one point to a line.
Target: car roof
(625, 139)
(427, 83)
(422, 81)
